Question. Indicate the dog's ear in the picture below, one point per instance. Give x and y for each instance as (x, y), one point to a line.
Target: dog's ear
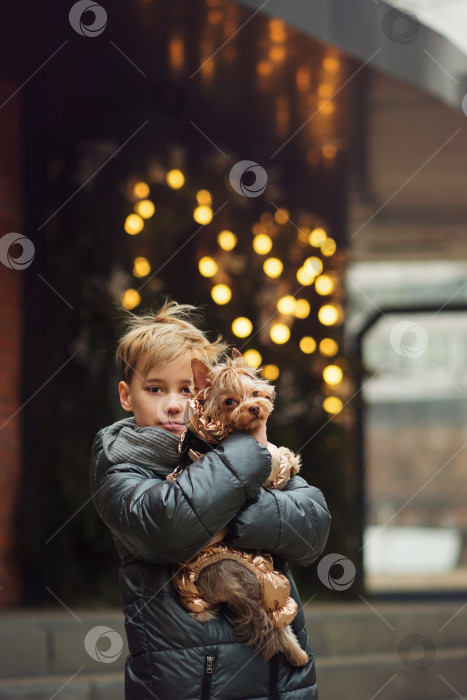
(237, 357)
(200, 373)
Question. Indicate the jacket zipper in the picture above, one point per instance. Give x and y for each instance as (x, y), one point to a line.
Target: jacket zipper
(207, 678)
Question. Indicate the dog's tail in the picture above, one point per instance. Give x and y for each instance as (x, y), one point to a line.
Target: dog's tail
(232, 583)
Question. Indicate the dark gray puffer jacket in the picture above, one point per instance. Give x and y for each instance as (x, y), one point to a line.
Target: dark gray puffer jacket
(156, 523)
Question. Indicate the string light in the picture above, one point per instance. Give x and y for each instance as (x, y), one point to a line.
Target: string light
(145, 208)
(286, 305)
(130, 299)
(324, 285)
(242, 327)
(141, 190)
(273, 267)
(175, 179)
(221, 294)
(207, 266)
(302, 308)
(332, 375)
(270, 372)
(279, 333)
(202, 214)
(328, 315)
(204, 197)
(227, 240)
(252, 358)
(329, 247)
(141, 267)
(307, 344)
(328, 347)
(133, 224)
(332, 404)
(317, 237)
(262, 244)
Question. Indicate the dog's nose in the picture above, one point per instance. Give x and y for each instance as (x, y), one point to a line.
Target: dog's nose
(254, 409)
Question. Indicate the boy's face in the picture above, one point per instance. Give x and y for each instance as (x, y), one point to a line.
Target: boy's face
(160, 397)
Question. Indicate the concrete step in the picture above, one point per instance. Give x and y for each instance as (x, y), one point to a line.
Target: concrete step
(47, 642)
(369, 627)
(385, 677)
(79, 686)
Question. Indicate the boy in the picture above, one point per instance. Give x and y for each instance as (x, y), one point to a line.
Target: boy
(156, 523)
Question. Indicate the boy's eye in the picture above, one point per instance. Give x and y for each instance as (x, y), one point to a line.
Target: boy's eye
(154, 389)
(186, 390)
(228, 402)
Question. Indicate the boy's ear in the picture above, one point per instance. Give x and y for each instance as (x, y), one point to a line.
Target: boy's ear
(125, 397)
(200, 373)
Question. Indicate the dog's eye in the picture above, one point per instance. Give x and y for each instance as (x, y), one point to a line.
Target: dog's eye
(228, 402)
(256, 393)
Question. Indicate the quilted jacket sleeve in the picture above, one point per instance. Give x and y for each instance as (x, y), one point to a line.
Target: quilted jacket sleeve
(293, 523)
(163, 522)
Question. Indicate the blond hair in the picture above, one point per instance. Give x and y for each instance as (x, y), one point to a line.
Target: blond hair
(163, 336)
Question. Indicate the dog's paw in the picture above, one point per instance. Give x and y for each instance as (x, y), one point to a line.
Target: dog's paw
(205, 616)
(292, 460)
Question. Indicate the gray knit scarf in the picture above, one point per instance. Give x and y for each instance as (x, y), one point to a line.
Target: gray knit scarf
(145, 445)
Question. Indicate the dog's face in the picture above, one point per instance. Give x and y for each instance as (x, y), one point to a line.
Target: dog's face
(233, 393)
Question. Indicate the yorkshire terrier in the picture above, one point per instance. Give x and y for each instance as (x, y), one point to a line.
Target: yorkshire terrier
(232, 397)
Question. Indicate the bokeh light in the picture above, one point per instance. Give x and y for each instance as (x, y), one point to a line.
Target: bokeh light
(270, 372)
(332, 375)
(317, 237)
(329, 247)
(324, 285)
(307, 344)
(332, 404)
(227, 240)
(280, 333)
(141, 190)
(242, 327)
(302, 308)
(262, 244)
(133, 224)
(286, 305)
(145, 208)
(273, 267)
(221, 294)
(141, 267)
(202, 214)
(175, 179)
(204, 197)
(207, 266)
(252, 357)
(130, 299)
(328, 347)
(281, 216)
(328, 315)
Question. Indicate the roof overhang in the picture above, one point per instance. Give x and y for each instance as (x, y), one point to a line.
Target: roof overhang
(423, 46)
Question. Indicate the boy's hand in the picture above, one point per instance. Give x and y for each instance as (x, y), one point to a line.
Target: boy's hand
(260, 434)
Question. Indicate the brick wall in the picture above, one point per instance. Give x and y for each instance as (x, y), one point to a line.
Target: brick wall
(10, 339)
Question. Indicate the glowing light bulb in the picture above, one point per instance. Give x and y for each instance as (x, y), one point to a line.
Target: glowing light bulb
(328, 315)
(302, 308)
(242, 327)
(141, 267)
(204, 197)
(324, 285)
(175, 179)
(279, 333)
(332, 374)
(329, 247)
(227, 240)
(286, 305)
(130, 299)
(202, 214)
(270, 372)
(141, 190)
(332, 404)
(221, 294)
(317, 237)
(252, 358)
(262, 244)
(207, 266)
(328, 347)
(307, 344)
(281, 216)
(273, 267)
(133, 224)
(145, 208)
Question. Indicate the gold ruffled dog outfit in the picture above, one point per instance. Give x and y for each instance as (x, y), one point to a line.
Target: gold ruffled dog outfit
(275, 587)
